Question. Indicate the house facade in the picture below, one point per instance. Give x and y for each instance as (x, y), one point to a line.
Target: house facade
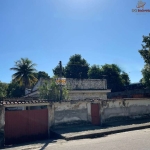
(79, 89)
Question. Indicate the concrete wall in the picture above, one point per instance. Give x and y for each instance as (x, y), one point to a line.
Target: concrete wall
(79, 84)
(2, 124)
(88, 94)
(137, 93)
(51, 115)
(71, 112)
(77, 88)
(117, 110)
(86, 84)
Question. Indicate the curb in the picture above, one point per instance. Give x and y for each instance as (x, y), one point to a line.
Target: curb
(104, 133)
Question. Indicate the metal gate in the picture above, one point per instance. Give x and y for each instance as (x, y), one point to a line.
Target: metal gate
(95, 114)
(25, 125)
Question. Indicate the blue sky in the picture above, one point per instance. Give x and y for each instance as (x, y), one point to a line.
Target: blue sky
(47, 31)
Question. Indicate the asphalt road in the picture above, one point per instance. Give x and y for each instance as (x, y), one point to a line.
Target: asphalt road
(132, 140)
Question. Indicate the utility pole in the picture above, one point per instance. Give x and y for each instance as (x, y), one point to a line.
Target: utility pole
(60, 75)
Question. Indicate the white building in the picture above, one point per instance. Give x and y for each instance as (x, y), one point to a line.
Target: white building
(79, 89)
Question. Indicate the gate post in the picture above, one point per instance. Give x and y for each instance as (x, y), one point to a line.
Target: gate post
(50, 118)
(2, 124)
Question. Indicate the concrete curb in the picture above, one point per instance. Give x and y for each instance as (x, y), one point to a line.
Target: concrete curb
(103, 132)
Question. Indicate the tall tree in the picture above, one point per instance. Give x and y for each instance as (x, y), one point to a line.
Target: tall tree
(24, 69)
(41, 74)
(116, 78)
(77, 67)
(145, 53)
(56, 71)
(146, 76)
(95, 72)
(125, 78)
(15, 90)
(3, 89)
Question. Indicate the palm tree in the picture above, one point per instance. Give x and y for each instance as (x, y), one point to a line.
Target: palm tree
(24, 72)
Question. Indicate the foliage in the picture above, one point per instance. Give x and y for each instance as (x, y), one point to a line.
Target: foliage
(95, 72)
(41, 74)
(146, 76)
(56, 71)
(24, 69)
(112, 74)
(49, 90)
(125, 78)
(116, 78)
(15, 90)
(145, 53)
(77, 67)
(3, 89)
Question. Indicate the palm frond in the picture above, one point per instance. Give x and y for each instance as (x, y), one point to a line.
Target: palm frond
(24, 71)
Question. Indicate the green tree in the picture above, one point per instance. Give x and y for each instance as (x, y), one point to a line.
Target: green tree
(77, 67)
(146, 76)
(56, 71)
(145, 53)
(95, 72)
(15, 90)
(24, 69)
(3, 89)
(125, 78)
(116, 78)
(41, 74)
(49, 90)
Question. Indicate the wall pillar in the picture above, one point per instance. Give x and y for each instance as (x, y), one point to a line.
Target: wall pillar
(50, 117)
(2, 124)
(89, 112)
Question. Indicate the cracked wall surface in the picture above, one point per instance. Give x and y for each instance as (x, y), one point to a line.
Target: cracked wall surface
(68, 112)
(117, 110)
(86, 84)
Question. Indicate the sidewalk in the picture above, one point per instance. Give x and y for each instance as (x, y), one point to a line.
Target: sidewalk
(74, 132)
(90, 131)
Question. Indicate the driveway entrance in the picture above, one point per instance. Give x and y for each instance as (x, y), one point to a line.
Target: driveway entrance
(26, 125)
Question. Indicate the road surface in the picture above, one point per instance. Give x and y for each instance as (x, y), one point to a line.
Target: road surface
(132, 140)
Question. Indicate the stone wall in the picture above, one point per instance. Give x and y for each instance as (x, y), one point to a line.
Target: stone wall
(71, 112)
(2, 124)
(121, 109)
(86, 84)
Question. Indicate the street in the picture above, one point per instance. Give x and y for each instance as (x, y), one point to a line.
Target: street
(133, 140)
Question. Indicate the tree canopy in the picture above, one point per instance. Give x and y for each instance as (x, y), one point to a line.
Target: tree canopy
(112, 74)
(145, 53)
(41, 74)
(56, 71)
(77, 67)
(3, 89)
(15, 90)
(116, 78)
(95, 72)
(125, 78)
